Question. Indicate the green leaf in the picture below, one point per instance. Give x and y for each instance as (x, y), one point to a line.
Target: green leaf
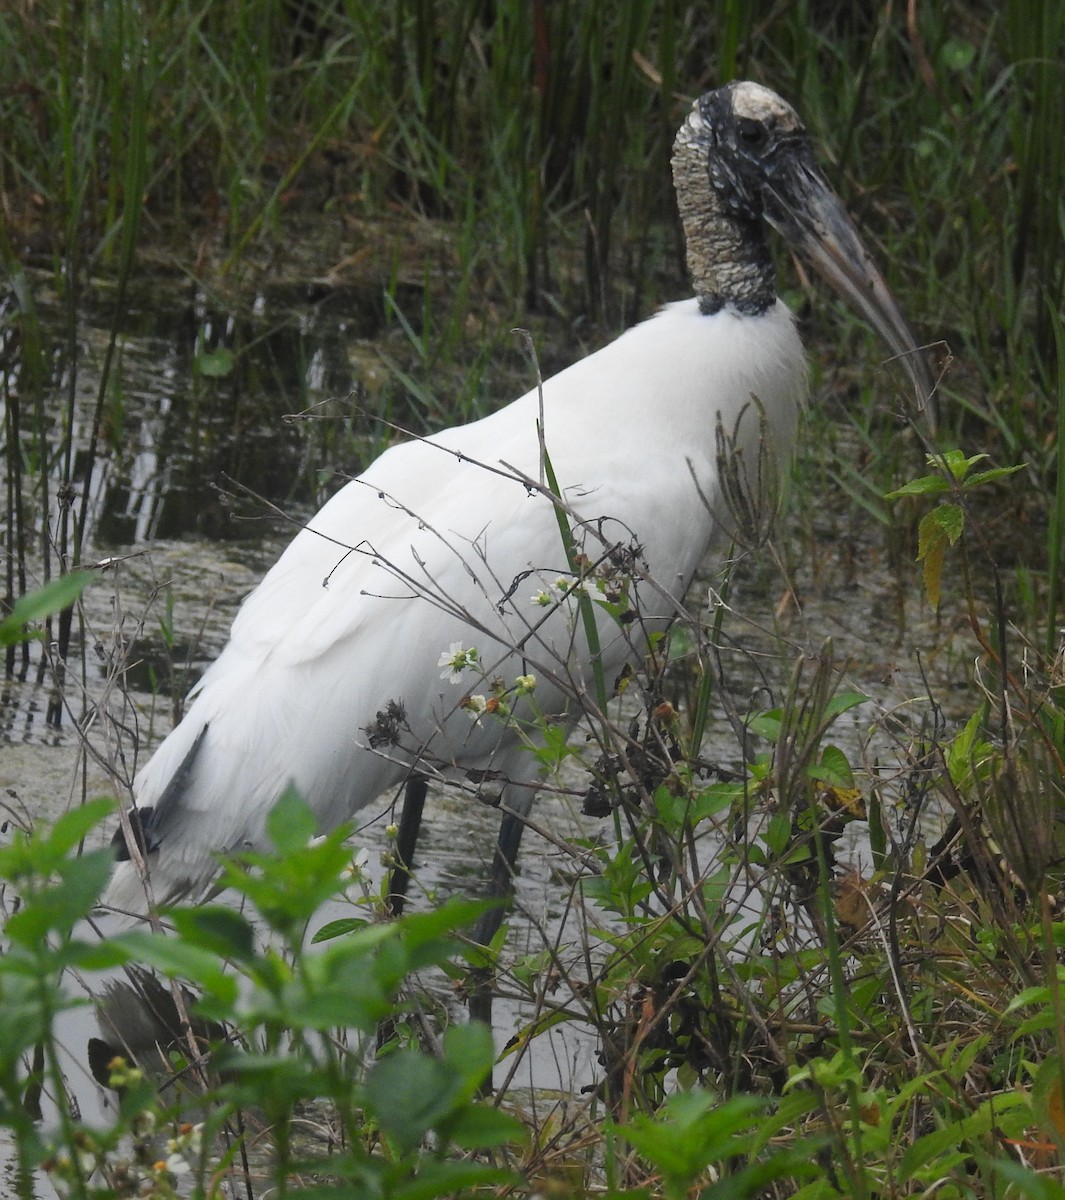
(927, 485)
(935, 1154)
(479, 1127)
(958, 466)
(409, 1094)
(217, 928)
(94, 956)
(995, 473)
(1040, 994)
(939, 528)
(338, 928)
(58, 906)
(421, 928)
(291, 824)
(47, 848)
(1029, 1182)
(767, 724)
(693, 1130)
(73, 826)
(53, 597)
(834, 768)
(215, 364)
(470, 1051)
(950, 520)
(177, 959)
(958, 55)
(713, 800)
(843, 702)
(967, 756)
(519, 1041)
(777, 834)
(957, 463)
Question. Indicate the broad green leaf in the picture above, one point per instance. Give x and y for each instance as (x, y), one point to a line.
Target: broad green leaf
(410, 1094)
(950, 520)
(1040, 994)
(777, 834)
(57, 907)
(449, 917)
(291, 824)
(843, 702)
(216, 927)
(715, 799)
(53, 597)
(177, 959)
(995, 473)
(957, 54)
(834, 768)
(469, 1048)
(927, 485)
(767, 724)
(338, 928)
(519, 1041)
(967, 755)
(957, 463)
(938, 529)
(478, 1127)
(72, 826)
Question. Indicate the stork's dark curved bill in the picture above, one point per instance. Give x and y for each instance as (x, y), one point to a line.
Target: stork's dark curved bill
(803, 207)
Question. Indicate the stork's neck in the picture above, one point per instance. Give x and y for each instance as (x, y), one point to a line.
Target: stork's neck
(728, 258)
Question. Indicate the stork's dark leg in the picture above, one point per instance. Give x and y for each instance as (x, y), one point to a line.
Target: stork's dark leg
(410, 823)
(501, 888)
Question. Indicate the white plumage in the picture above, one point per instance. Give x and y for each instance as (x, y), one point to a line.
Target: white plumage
(446, 540)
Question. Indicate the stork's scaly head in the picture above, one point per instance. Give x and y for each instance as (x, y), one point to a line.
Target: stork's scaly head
(742, 159)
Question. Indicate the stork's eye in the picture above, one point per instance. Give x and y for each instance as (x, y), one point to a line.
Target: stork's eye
(752, 133)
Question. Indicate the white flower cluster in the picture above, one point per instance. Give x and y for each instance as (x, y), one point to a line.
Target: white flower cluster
(141, 1178)
(179, 1150)
(458, 658)
(563, 587)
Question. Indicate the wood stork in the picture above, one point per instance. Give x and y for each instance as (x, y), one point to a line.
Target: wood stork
(437, 581)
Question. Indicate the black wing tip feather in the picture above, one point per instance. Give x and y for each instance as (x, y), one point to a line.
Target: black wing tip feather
(140, 822)
(146, 822)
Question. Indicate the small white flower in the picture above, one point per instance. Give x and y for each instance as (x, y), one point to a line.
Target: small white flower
(176, 1165)
(356, 869)
(542, 598)
(571, 585)
(456, 659)
(476, 706)
(525, 683)
(450, 660)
